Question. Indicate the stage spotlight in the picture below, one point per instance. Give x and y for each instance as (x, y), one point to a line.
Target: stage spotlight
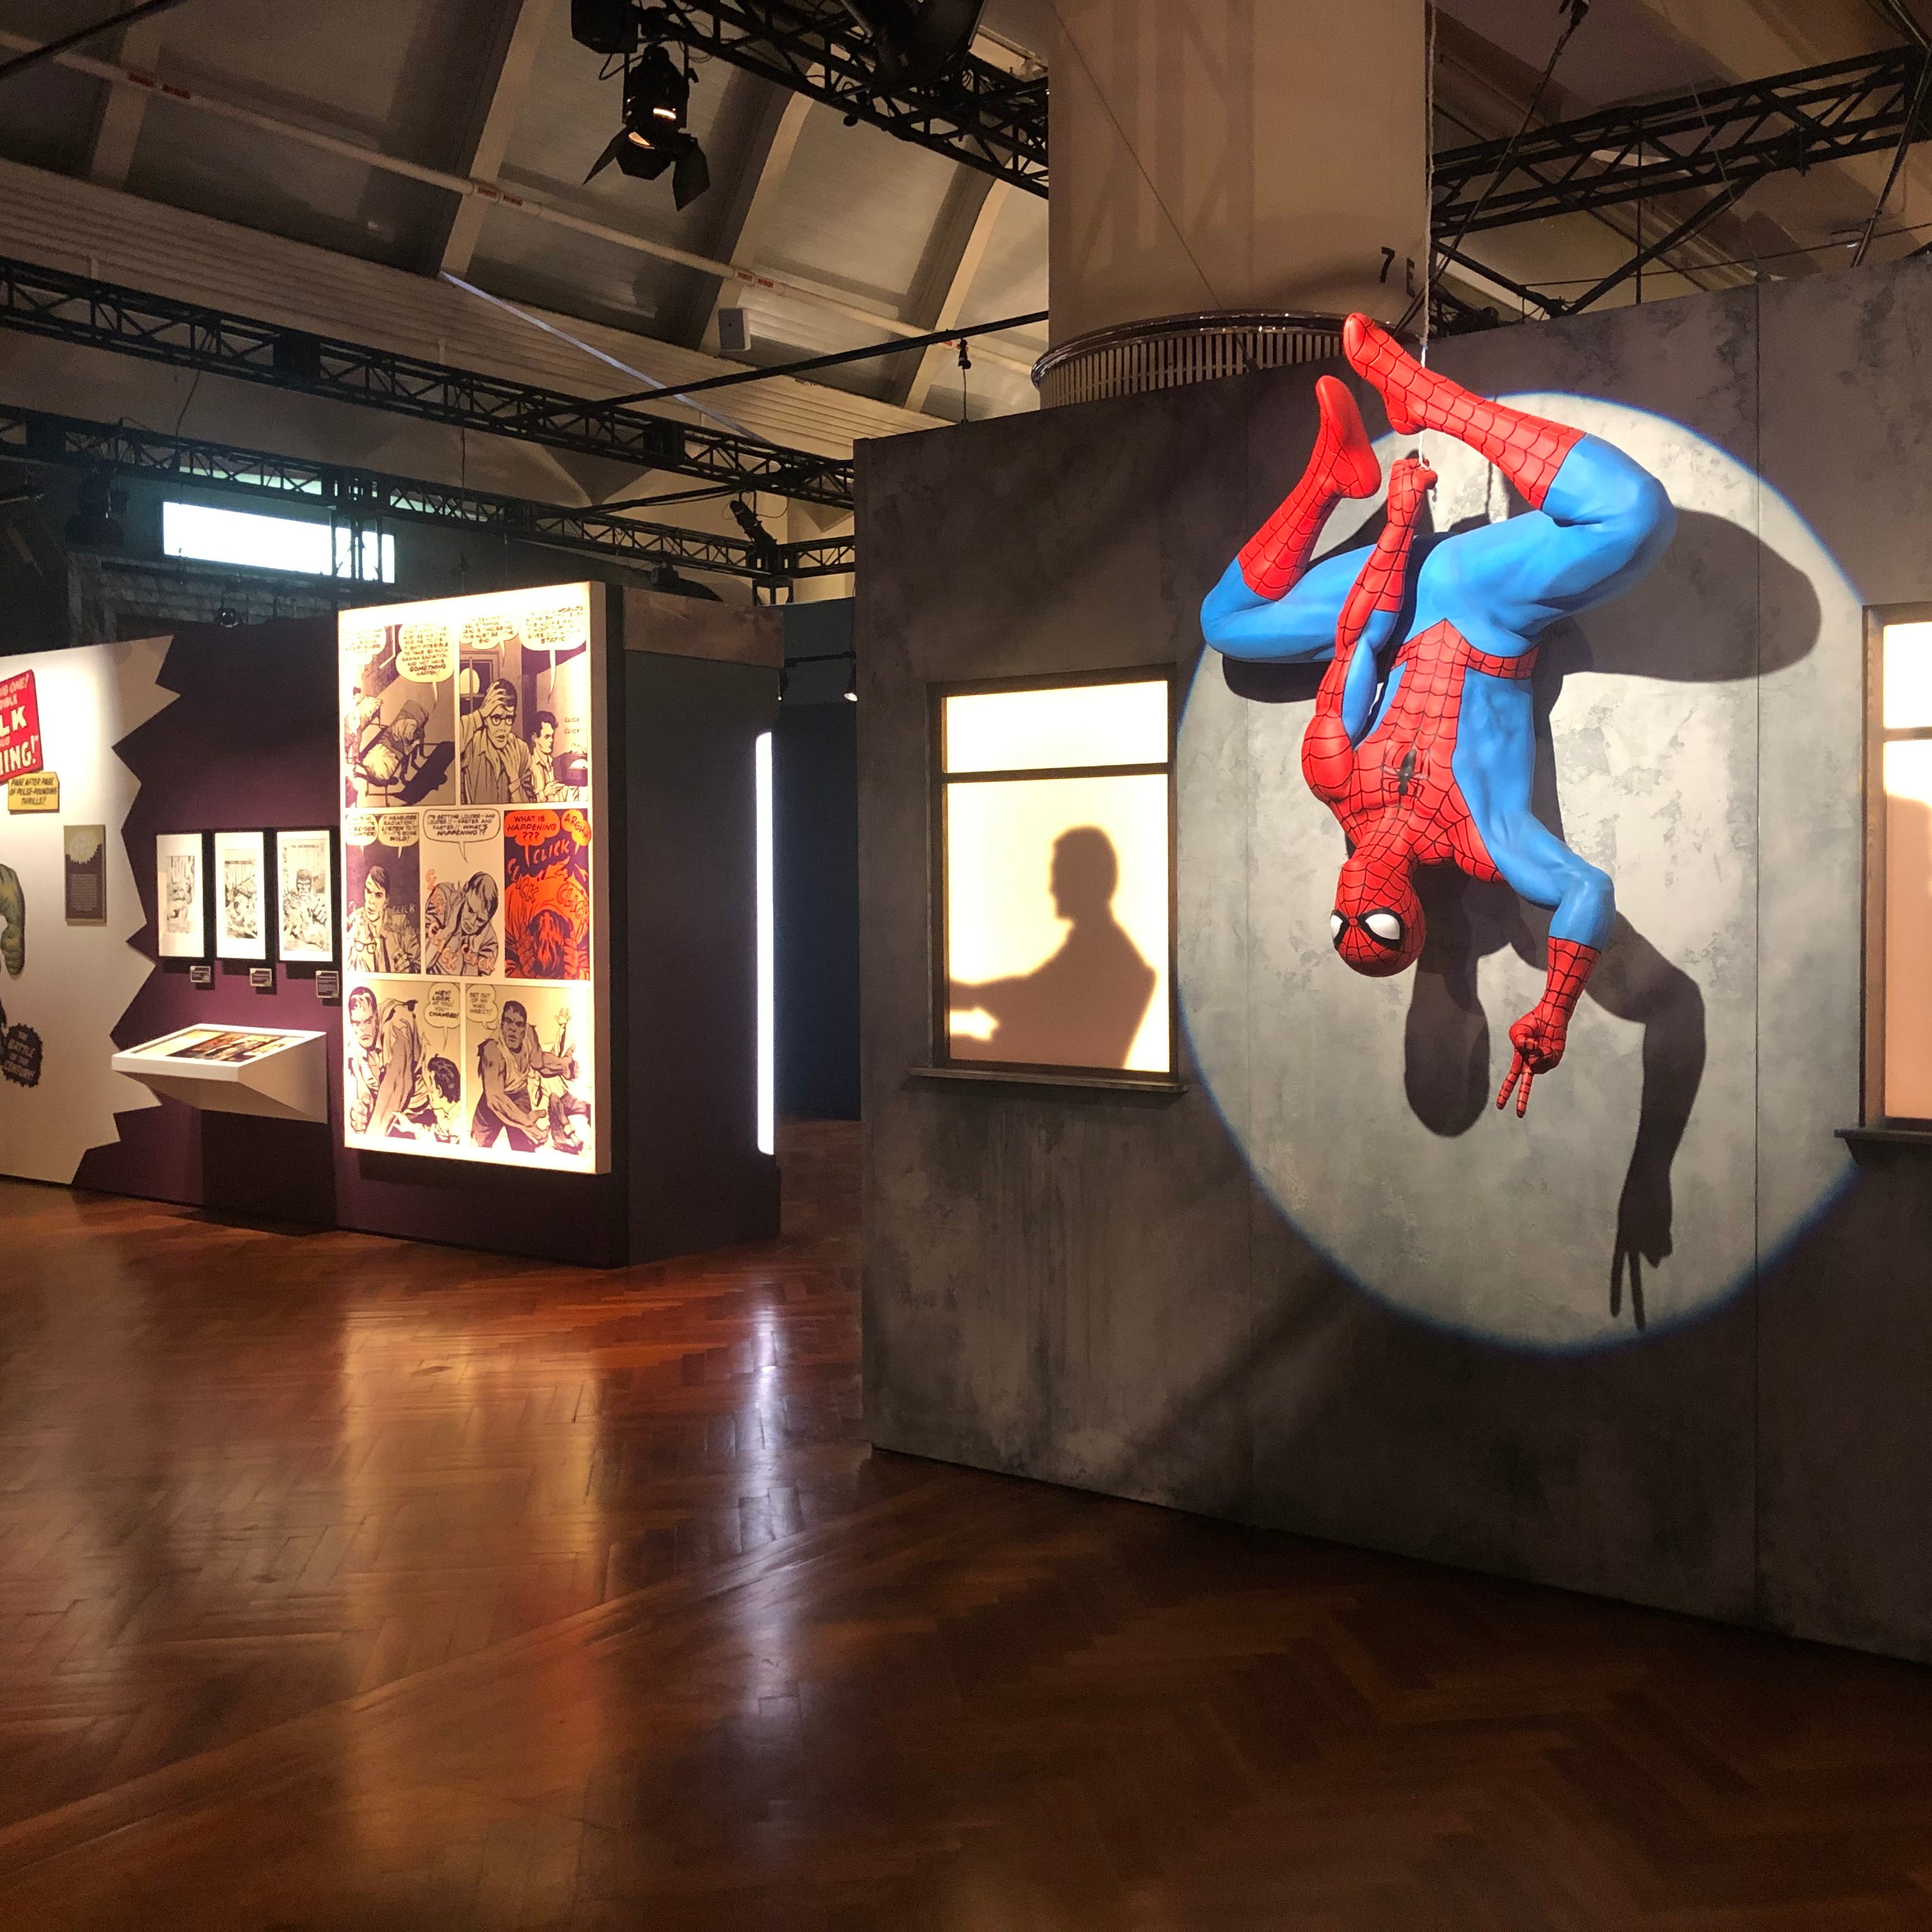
(654, 137)
(852, 683)
(915, 41)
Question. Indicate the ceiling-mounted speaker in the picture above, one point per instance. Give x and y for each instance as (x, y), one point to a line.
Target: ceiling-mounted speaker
(604, 26)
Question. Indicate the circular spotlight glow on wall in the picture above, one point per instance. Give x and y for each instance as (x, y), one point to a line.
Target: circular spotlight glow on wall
(1636, 1195)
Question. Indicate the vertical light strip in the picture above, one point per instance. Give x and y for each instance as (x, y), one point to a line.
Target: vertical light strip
(761, 768)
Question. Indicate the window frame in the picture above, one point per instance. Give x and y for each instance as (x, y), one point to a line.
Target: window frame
(1873, 1111)
(1033, 1072)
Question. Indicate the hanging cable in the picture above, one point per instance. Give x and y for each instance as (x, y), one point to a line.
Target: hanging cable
(1578, 11)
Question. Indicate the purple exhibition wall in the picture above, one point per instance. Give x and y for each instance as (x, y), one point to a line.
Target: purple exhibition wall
(249, 742)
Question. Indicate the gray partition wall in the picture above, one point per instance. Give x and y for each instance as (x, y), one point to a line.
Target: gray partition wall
(1662, 1340)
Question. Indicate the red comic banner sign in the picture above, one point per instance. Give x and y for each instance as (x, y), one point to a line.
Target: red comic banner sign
(19, 726)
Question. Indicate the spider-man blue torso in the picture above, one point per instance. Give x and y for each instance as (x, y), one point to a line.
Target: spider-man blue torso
(1426, 756)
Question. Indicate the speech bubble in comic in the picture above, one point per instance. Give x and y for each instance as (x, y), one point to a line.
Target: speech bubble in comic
(485, 633)
(398, 829)
(359, 645)
(529, 827)
(426, 653)
(442, 1006)
(463, 826)
(482, 1006)
(555, 629)
(362, 828)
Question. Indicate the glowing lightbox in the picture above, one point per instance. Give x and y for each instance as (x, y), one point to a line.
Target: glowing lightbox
(473, 935)
(1054, 832)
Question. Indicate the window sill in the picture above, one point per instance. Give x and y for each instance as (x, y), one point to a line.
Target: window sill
(1886, 1140)
(1165, 1087)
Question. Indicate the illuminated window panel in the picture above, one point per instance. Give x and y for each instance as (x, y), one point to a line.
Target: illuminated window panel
(1069, 725)
(1056, 859)
(258, 542)
(1908, 927)
(1898, 1046)
(1908, 676)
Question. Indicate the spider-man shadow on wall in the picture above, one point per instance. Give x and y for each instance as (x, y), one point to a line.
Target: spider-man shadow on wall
(1430, 742)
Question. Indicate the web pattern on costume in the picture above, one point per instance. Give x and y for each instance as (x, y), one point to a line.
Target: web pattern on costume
(1342, 464)
(1528, 450)
(1400, 802)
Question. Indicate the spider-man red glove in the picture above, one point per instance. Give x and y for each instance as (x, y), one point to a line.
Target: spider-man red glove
(1539, 1036)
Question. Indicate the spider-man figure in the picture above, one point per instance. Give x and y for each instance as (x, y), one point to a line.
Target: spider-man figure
(1426, 754)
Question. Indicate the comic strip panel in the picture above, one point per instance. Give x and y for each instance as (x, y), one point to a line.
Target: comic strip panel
(403, 1054)
(463, 892)
(524, 680)
(527, 1052)
(547, 895)
(305, 884)
(382, 899)
(398, 712)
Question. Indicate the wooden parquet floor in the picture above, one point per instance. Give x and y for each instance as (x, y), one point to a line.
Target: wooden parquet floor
(352, 1583)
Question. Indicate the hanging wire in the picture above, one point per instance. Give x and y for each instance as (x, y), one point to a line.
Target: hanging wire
(1578, 10)
(1428, 177)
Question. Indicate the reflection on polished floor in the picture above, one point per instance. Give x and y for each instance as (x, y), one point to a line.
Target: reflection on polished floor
(350, 1583)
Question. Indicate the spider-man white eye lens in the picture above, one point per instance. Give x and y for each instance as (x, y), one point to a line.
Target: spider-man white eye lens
(1337, 926)
(1384, 926)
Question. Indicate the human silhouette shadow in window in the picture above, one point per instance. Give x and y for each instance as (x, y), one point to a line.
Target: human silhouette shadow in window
(1083, 1007)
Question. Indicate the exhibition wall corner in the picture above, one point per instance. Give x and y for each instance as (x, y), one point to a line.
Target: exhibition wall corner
(1665, 1337)
(247, 783)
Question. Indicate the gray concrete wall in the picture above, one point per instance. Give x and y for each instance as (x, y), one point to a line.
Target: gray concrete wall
(1660, 1341)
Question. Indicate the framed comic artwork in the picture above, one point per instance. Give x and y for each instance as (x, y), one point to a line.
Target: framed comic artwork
(181, 896)
(305, 897)
(472, 943)
(240, 889)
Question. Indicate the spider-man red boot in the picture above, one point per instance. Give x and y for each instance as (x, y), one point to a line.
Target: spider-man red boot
(1343, 464)
(1539, 1036)
(1528, 450)
(1328, 757)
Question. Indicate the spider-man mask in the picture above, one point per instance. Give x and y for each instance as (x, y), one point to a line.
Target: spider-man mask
(1377, 925)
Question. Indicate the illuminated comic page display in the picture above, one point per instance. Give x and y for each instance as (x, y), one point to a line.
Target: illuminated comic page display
(1056, 863)
(470, 798)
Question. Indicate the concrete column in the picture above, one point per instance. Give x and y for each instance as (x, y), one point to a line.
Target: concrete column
(1234, 154)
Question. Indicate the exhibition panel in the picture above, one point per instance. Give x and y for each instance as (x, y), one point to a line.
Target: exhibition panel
(70, 902)
(251, 855)
(472, 794)
(1536, 693)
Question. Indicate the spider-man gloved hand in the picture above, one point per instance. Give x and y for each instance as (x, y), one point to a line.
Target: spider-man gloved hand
(1539, 1036)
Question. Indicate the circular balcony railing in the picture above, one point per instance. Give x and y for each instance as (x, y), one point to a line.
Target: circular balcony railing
(1164, 353)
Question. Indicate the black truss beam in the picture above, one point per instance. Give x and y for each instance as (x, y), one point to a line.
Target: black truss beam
(72, 308)
(973, 113)
(362, 497)
(1726, 139)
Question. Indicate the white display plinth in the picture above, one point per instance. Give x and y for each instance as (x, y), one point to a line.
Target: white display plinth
(238, 1070)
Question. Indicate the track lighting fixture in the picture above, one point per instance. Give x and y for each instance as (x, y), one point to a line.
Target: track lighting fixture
(653, 137)
(915, 41)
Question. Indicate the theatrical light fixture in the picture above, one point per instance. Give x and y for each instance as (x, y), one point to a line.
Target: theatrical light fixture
(852, 683)
(653, 138)
(915, 41)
